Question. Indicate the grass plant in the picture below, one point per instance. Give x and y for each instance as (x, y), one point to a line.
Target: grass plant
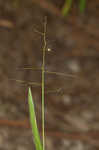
(40, 144)
(36, 135)
(33, 122)
(68, 4)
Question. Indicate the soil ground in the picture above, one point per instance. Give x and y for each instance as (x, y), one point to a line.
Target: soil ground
(72, 108)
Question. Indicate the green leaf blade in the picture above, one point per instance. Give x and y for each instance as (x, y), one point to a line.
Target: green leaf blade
(33, 122)
(66, 7)
(82, 5)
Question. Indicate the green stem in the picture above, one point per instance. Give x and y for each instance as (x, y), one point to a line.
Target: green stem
(43, 81)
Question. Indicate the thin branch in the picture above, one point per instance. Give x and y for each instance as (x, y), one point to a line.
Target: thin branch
(26, 82)
(50, 72)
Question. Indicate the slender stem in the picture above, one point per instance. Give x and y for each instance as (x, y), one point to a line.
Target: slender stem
(43, 83)
(51, 72)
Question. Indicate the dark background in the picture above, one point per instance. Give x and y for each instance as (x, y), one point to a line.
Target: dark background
(72, 108)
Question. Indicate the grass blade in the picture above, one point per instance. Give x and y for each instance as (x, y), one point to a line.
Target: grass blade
(66, 7)
(82, 5)
(33, 122)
